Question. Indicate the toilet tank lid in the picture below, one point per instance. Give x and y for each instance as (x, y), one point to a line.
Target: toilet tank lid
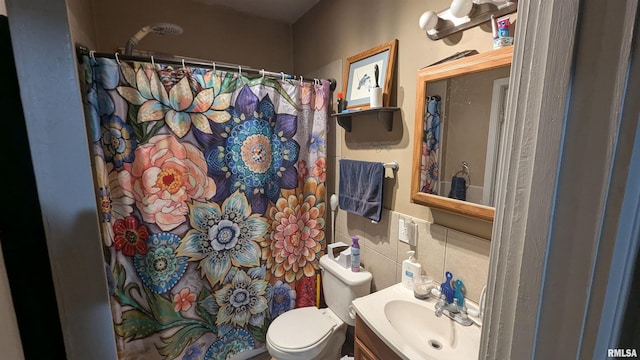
(346, 275)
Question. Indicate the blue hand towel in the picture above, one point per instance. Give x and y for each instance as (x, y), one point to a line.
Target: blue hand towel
(458, 188)
(361, 188)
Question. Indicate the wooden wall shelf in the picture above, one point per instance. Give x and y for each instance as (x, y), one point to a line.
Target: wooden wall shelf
(384, 114)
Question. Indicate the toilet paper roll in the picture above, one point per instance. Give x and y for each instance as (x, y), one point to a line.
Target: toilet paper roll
(375, 100)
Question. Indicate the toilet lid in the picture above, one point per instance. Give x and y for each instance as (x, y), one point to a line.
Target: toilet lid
(300, 328)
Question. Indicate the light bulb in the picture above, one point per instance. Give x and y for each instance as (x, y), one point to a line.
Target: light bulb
(428, 20)
(461, 8)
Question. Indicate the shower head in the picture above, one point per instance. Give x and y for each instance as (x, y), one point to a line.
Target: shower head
(166, 29)
(159, 28)
(333, 201)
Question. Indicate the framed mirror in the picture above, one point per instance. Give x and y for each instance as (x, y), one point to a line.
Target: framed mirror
(458, 131)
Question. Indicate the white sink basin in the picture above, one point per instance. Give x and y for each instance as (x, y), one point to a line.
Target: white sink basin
(410, 328)
(436, 337)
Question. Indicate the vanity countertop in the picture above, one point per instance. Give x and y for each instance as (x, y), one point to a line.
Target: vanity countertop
(410, 328)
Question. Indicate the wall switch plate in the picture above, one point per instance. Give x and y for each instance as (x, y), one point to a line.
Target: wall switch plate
(407, 231)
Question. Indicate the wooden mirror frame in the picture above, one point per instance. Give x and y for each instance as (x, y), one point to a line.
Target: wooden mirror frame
(472, 64)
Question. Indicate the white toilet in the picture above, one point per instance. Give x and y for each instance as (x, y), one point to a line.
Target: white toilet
(311, 333)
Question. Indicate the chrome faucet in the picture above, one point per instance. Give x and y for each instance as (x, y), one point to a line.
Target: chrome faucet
(452, 311)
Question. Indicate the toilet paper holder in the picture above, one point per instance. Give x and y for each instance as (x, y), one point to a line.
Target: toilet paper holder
(344, 253)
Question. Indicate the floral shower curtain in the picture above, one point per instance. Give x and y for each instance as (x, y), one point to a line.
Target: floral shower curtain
(430, 147)
(211, 187)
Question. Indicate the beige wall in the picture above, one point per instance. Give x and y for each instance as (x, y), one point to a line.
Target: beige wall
(210, 32)
(328, 34)
(334, 30)
(3, 8)
(9, 335)
(80, 13)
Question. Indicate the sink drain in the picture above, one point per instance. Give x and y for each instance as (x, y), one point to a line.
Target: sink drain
(435, 344)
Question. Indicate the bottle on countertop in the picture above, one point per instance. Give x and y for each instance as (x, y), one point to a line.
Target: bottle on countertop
(410, 269)
(355, 254)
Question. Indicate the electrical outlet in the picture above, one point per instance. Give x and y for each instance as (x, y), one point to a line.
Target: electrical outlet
(403, 230)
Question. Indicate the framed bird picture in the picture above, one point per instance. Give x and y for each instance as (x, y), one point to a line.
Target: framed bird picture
(360, 74)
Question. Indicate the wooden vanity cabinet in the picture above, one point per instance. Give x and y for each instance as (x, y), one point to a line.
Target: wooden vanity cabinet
(368, 346)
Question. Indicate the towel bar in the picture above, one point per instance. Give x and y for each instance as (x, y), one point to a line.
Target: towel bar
(394, 165)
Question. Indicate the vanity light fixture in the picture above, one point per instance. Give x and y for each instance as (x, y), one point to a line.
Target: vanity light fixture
(462, 15)
(461, 8)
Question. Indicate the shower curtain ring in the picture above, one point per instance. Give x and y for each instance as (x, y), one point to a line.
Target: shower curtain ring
(301, 79)
(92, 54)
(153, 63)
(282, 75)
(262, 72)
(183, 67)
(214, 67)
(239, 70)
(117, 59)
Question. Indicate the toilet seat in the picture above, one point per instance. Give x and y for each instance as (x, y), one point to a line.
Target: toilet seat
(301, 329)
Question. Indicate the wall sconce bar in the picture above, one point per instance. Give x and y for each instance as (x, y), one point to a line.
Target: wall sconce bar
(449, 24)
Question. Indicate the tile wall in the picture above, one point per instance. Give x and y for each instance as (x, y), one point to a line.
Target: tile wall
(438, 249)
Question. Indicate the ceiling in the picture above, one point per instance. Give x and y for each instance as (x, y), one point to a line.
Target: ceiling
(282, 10)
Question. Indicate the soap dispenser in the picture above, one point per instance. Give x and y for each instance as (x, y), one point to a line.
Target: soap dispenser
(410, 268)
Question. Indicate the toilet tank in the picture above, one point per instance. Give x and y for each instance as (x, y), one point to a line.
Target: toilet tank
(341, 286)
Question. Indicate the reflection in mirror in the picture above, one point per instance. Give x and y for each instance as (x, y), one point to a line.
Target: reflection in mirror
(461, 137)
(460, 107)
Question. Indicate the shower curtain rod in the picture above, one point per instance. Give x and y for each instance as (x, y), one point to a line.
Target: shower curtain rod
(81, 50)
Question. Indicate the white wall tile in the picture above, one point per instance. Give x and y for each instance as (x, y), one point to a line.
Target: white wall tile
(438, 249)
(344, 238)
(348, 224)
(378, 236)
(398, 272)
(430, 251)
(381, 267)
(467, 257)
(393, 233)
